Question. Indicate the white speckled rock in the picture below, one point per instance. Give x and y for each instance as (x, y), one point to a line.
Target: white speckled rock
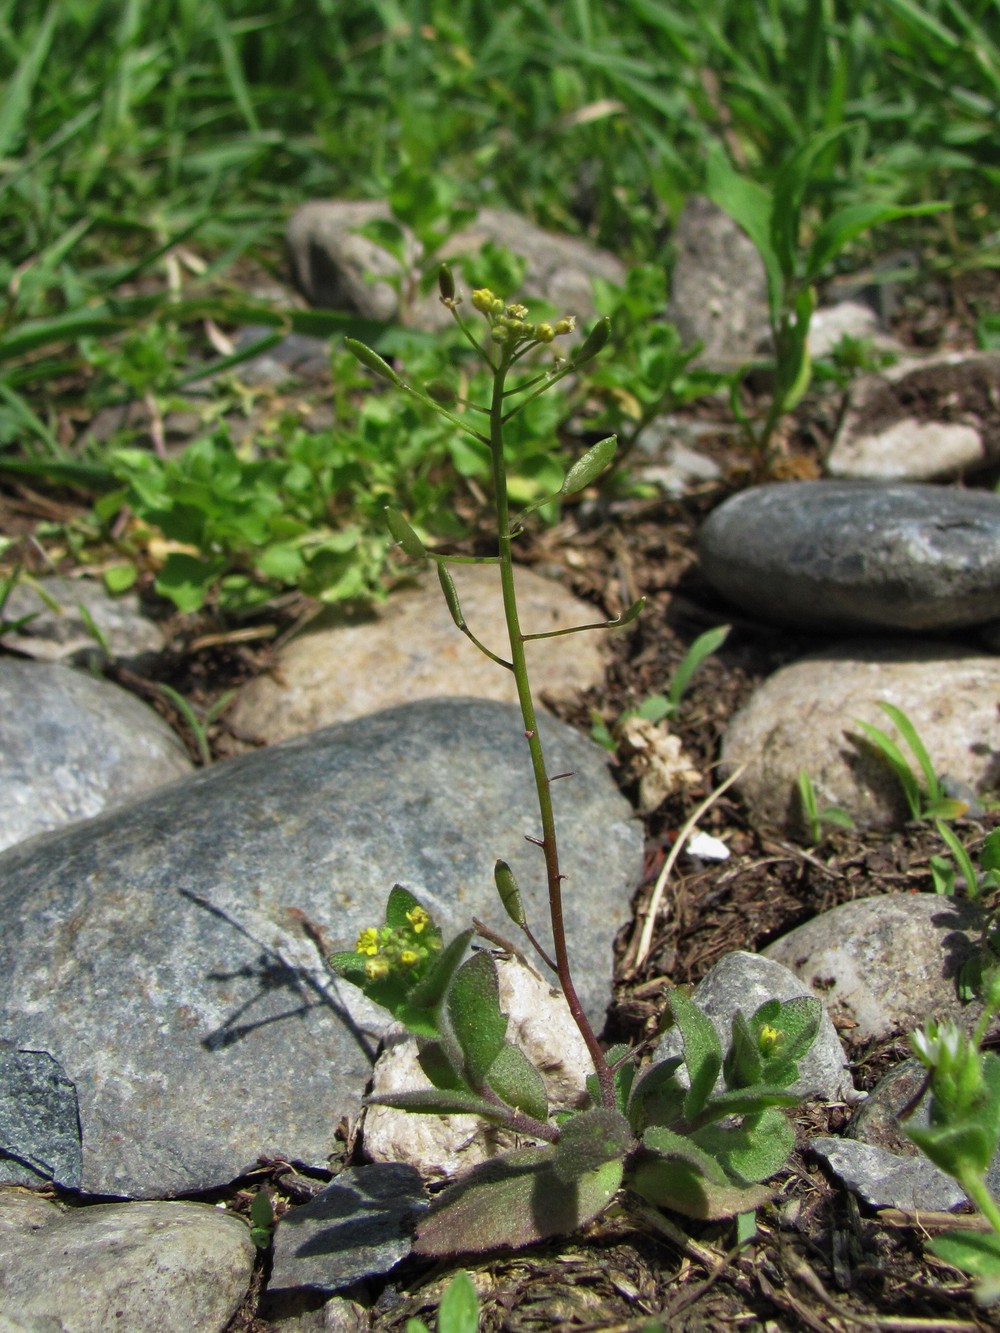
(141, 1267)
(803, 717)
(885, 964)
(410, 649)
(440, 1146)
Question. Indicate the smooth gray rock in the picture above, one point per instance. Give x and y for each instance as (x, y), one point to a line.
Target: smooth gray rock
(361, 1225)
(144, 1267)
(72, 745)
(58, 629)
(885, 1180)
(805, 718)
(857, 555)
(887, 963)
(336, 267)
(744, 981)
(718, 288)
(158, 951)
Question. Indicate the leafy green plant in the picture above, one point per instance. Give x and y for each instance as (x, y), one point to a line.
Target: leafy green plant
(658, 707)
(815, 816)
(666, 1131)
(261, 1220)
(924, 802)
(458, 1310)
(773, 218)
(963, 1133)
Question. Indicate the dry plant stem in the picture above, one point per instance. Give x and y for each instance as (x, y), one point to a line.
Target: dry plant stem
(542, 788)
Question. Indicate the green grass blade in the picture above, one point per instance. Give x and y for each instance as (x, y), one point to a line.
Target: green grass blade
(17, 99)
(704, 646)
(962, 859)
(891, 752)
(912, 737)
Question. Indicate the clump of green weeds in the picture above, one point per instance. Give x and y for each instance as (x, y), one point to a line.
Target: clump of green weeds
(927, 801)
(696, 1133)
(963, 1133)
(813, 815)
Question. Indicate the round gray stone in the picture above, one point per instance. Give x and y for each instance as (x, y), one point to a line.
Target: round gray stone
(71, 745)
(158, 953)
(853, 555)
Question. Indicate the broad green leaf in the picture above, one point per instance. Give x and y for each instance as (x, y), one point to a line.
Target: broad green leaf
(588, 1140)
(677, 1183)
(430, 989)
(433, 1060)
(458, 1311)
(848, 223)
(513, 1201)
(398, 905)
(750, 1152)
(751, 206)
(702, 1050)
(516, 1081)
(479, 1027)
(657, 1098)
(743, 1065)
(975, 1253)
(596, 460)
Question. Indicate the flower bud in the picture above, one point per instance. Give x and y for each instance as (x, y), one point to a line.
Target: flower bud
(517, 312)
(484, 300)
(446, 283)
(544, 333)
(376, 969)
(565, 325)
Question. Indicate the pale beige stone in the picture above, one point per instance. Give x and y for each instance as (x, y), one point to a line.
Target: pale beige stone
(805, 716)
(410, 649)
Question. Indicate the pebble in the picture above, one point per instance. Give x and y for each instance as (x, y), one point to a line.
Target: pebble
(805, 717)
(157, 955)
(850, 958)
(72, 745)
(141, 1267)
(833, 555)
(718, 288)
(339, 269)
(744, 981)
(361, 1225)
(929, 420)
(58, 630)
(344, 667)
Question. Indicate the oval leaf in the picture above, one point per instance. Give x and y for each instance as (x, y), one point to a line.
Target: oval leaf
(478, 1026)
(510, 894)
(516, 1081)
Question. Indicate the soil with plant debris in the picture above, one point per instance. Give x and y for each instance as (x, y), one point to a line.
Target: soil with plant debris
(820, 1261)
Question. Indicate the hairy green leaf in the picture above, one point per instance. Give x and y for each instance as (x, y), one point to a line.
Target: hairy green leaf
(474, 1010)
(516, 1081)
(702, 1050)
(589, 1139)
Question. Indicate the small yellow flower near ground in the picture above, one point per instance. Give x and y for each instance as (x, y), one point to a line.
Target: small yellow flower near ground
(769, 1038)
(418, 918)
(408, 957)
(368, 942)
(376, 969)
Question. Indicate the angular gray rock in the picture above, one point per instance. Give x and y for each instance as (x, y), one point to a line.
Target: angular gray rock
(345, 666)
(929, 420)
(360, 1226)
(744, 981)
(805, 717)
(718, 288)
(158, 951)
(884, 1180)
(58, 629)
(72, 745)
(857, 555)
(337, 268)
(145, 1267)
(852, 958)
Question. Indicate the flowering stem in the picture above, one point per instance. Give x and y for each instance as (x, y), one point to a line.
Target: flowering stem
(542, 787)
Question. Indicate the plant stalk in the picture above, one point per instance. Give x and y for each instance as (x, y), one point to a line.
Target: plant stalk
(520, 668)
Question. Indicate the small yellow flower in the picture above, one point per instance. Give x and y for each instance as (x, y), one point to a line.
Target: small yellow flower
(368, 942)
(376, 969)
(769, 1039)
(418, 918)
(408, 957)
(566, 325)
(517, 312)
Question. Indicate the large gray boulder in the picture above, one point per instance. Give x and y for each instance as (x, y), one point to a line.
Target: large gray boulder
(158, 953)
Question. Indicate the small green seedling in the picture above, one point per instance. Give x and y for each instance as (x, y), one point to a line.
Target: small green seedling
(813, 816)
(963, 1135)
(675, 1140)
(925, 802)
(458, 1311)
(658, 707)
(261, 1220)
(199, 725)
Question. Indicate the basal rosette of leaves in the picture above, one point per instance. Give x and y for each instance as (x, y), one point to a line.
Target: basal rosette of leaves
(679, 1142)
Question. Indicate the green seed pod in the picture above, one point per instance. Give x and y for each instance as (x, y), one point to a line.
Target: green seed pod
(586, 469)
(510, 894)
(451, 595)
(633, 613)
(372, 360)
(441, 393)
(446, 283)
(404, 534)
(593, 343)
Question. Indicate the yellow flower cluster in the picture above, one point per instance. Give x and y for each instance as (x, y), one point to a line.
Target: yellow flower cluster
(508, 323)
(389, 950)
